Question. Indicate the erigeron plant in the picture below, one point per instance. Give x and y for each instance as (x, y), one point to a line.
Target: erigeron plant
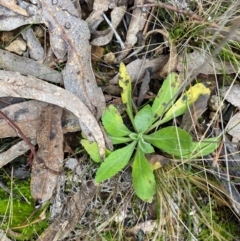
(133, 143)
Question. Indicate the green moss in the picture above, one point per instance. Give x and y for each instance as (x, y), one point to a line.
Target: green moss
(17, 212)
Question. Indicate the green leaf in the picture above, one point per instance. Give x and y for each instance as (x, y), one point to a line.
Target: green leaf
(92, 149)
(166, 94)
(200, 149)
(145, 147)
(187, 99)
(113, 123)
(119, 139)
(143, 119)
(125, 83)
(115, 162)
(170, 139)
(143, 179)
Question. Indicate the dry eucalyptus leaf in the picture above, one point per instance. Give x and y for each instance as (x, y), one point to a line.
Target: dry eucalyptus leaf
(35, 49)
(57, 17)
(144, 87)
(138, 20)
(233, 127)
(15, 151)
(50, 151)
(172, 61)
(26, 66)
(194, 112)
(6, 12)
(28, 6)
(171, 64)
(137, 23)
(136, 69)
(189, 63)
(112, 90)
(16, 85)
(6, 101)
(147, 227)
(96, 16)
(73, 32)
(67, 33)
(231, 159)
(231, 94)
(27, 116)
(8, 23)
(12, 5)
(157, 161)
(18, 46)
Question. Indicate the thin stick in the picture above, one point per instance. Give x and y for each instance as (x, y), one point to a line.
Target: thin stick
(19, 132)
(115, 32)
(215, 159)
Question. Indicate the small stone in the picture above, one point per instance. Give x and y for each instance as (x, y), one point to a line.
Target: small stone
(39, 32)
(109, 58)
(215, 103)
(18, 46)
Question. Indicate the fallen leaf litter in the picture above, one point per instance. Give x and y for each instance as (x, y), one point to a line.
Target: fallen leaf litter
(53, 110)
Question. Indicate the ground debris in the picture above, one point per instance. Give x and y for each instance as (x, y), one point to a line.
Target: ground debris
(47, 165)
(50, 88)
(71, 213)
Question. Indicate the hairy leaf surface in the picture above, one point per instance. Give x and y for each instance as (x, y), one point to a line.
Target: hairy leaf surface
(201, 148)
(143, 119)
(113, 122)
(145, 146)
(92, 150)
(115, 162)
(143, 179)
(170, 139)
(119, 139)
